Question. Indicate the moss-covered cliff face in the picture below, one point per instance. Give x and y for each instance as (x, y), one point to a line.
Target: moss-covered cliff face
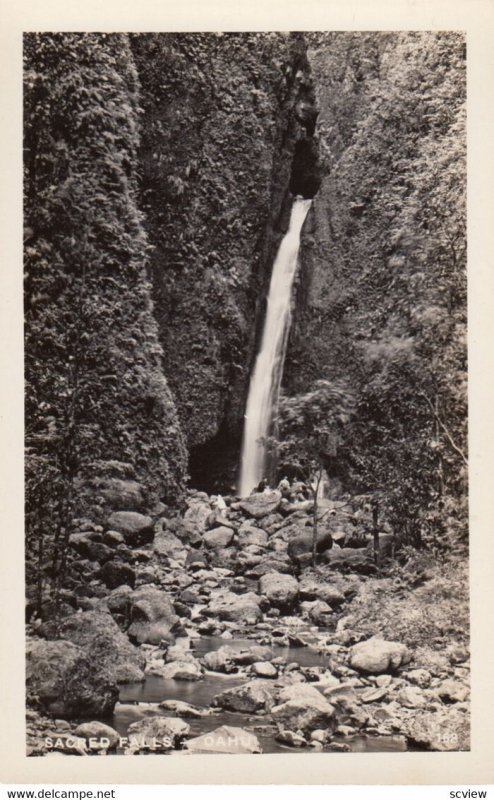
(229, 123)
(98, 408)
(381, 298)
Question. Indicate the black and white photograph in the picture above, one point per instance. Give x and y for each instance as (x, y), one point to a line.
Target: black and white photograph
(247, 391)
(246, 459)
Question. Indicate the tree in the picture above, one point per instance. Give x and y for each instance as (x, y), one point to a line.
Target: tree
(310, 427)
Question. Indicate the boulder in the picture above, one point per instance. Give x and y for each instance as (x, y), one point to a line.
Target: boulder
(440, 730)
(262, 504)
(152, 615)
(249, 698)
(182, 709)
(301, 707)
(127, 495)
(100, 637)
(199, 513)
(311, 590)
(318, 611)
(136, 528)
(156, 733)
(451, 691)
(347, 559)
(248, 535)
(67, 682)
(219, 661)
(167, 545)
(411, 697)
(116, 573)
(291, 739)
(280, 589)
(179, 670)
(300, 546)
(226, 739)
(377, 655)
(106, 737)
(218, 538)
(235, 607)
(264, 669)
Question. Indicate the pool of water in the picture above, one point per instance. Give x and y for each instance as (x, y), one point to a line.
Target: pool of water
(140, 700)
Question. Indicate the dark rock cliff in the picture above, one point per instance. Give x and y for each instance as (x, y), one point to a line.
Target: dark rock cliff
(228, 135)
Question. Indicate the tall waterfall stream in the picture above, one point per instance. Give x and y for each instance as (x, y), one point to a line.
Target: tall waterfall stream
(268, 370)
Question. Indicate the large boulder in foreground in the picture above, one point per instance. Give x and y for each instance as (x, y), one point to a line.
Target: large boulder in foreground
(441, 730)
(280, 589)
(302, 707)
(262, 504)
(375, 656)
(152, 616)
(136, 528)
(225, 739)
(98, 634)
(66, 681)
(235, 607)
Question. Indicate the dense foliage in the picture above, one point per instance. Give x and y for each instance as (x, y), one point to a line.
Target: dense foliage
(97, 403)
(385, 266)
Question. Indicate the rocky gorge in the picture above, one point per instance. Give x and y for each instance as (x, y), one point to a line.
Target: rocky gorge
(205, 605)
(164, 612)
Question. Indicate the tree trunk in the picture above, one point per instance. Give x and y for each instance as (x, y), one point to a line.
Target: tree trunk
(375, 530)
(314, 524)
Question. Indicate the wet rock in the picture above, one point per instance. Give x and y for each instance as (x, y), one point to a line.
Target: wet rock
(235, 607)
(106, 737)
(250, 698)
(116, 573)
(261, 505)
(66, 682)
(219, 661)
(411, 697)
(264, 669)
(301, 707)
(291, 739)
(99, 636)
(179, 670)
(441, 730)
(218, 537)
(182, 709)
(320, 735)
(378, 655)
(226, 739)
(136, 528)
(281, 590)
(153, 617)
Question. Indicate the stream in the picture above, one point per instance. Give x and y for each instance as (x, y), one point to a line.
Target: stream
(139, 700)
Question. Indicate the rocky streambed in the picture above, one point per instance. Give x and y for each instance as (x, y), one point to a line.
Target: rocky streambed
(209, 631)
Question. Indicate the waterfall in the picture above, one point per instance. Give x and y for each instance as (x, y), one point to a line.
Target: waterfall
(266, 378)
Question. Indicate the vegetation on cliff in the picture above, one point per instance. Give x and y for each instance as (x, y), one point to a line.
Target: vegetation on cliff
(382, 295)
(98, 408)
